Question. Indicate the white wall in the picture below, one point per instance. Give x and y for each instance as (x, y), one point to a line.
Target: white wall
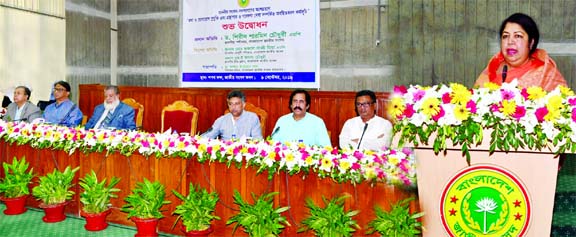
(32, 51)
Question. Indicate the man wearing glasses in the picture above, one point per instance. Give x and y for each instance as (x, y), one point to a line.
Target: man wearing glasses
(63, 111)
(366, 131)
(236, 124)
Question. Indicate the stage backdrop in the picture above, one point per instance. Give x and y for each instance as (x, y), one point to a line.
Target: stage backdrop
(250, 44)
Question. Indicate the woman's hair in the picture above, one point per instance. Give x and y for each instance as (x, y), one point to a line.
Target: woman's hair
(528, 24)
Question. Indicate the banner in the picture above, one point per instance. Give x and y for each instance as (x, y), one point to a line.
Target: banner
(250, 44)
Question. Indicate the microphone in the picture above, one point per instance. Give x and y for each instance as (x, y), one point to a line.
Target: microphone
(20, 120)
(363, 131)
(275, 131)
(504, 72)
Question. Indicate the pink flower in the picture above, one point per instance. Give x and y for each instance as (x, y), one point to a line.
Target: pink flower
(355, 166)
(524, 93)
(494, 107)
(418, 95)
(507, 95)
(540, 113)
(358, 154)
(520, 112)
(409, 111)
(572, 101)
(471, 105)
(439, 115)
(400, 90)
(446, 98)
(574, 115)
(407, 151)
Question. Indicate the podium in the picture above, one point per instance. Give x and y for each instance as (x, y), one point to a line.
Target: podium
(498, 194)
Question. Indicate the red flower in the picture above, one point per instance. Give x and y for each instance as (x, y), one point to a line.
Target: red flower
(439, 114)
(540, 113)
(446, 98)
(520, 112)
(400, 90)
(471, 105)
(409, 111)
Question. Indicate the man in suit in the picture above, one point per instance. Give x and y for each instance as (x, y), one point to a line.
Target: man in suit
(21, 109)
(112, 114)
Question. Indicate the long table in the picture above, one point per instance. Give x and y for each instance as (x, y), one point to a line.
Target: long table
(177, 173)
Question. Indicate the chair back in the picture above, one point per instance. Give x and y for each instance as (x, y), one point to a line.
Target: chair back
(138, 111)
(181, 117)
(262, 115)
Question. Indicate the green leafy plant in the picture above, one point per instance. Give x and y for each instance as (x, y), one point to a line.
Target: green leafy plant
(332, 220)
(96, 196)
(197, 208)
(53, 188)
(16, 180)
(145, 200)
(260, 218)
(396, 222)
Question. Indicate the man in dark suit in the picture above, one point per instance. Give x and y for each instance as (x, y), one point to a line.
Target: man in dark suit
(21, 109)
(112, 114)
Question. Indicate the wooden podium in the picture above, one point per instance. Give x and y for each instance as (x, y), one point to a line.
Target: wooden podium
(502, 194)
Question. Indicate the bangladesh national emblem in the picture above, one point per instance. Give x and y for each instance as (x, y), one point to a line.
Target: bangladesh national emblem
(485, 200)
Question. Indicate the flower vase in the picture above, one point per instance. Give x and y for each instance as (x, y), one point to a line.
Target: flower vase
(96, 221)
(198, 233)
(15, 206)
(53, 212)
(146, 226)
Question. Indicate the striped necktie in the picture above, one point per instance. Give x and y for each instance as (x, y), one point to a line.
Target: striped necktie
(107, 120)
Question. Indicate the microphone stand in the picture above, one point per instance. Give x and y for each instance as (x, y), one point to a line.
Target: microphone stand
(363, 131)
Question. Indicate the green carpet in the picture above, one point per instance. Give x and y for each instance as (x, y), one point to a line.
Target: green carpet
(30, 224)
(564, 218)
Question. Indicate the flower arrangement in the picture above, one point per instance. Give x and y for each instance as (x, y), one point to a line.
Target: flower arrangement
(527, 118)
(392, 166)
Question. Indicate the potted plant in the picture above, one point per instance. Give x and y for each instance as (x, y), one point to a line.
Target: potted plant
(332, 220)
(14, 186)
(96, 200)
(196, 211)
(143, 206)
(396, 222)
(53, 191)
(260, 218)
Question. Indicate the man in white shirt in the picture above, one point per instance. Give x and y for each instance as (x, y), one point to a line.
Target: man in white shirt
(366, 131)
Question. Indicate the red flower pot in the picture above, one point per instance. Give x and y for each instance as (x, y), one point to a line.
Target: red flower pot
(15, 206)
(53, 213)
(205, 232)
(97, 221)
(146, 227)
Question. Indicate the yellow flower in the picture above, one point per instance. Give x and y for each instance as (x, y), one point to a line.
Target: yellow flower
(431, 107)
(289, 157)
(202, 147)
(309, 160)
(326, 163)
(535, 92)
(460, 94)
(508, 107)
(369, 173)
(181, 145)
(345, 165)
(396, 107)
(271, 156)
(461, 112)
(393, 160)
(566, 91)
(554, 103)
(552, 114)
(244, 150)
(491, 86)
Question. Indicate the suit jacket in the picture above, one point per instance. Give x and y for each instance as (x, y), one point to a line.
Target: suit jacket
(122, 118)
(29, 113)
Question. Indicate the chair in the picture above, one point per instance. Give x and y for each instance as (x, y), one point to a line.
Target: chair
(138, 111)
(262, 115)
(180, 116)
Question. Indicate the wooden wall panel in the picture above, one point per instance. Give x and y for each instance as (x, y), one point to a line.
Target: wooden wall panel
(176, 173)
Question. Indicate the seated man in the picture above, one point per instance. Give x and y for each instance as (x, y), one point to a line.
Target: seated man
(21, 109)
(112, 113)
(236, 124)
(301, 126)
(63, 111)
(367, 131)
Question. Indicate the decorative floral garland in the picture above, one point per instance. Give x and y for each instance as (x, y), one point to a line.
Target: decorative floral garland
(392, 166)
(527, 118)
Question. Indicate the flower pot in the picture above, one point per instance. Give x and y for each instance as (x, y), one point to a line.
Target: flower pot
(145, 226)
(205, 232)
(53, 212)
(95, 221)
(15, 206)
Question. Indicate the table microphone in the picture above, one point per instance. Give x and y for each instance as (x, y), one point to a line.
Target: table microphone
(275, 131)
(504, 72)
(363, 131)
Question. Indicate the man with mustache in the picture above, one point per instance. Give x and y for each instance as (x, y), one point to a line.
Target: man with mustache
(112, 114)
(236, 124)
(301, 126)
(366, 131)
(21, 109)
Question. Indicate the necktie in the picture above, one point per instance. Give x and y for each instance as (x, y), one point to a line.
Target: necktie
(106, 120)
